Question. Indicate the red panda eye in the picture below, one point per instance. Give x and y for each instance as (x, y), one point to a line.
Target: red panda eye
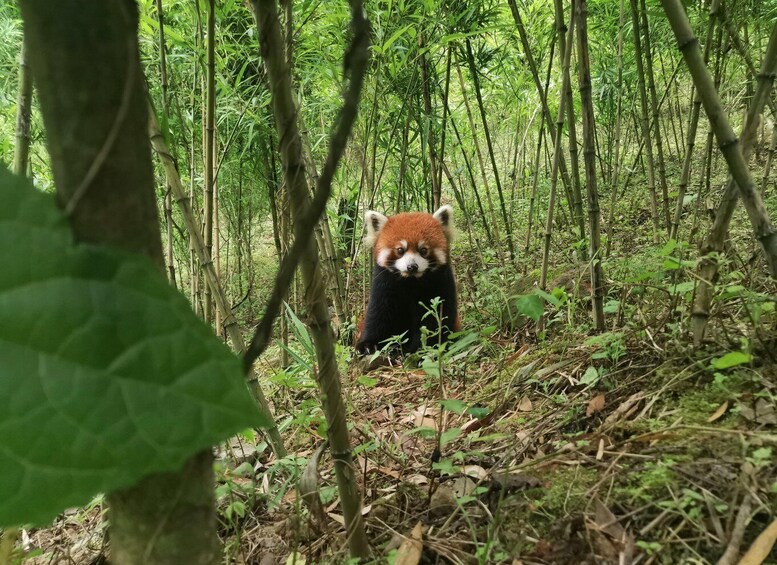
(400, 251)
(423, 251)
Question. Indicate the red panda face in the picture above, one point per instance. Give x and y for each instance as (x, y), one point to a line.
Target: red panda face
(411, 243)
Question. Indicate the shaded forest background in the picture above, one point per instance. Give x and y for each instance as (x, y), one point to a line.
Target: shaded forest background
(572, 349)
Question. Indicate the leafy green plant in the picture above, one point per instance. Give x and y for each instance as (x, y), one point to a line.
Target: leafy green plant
(107, 373)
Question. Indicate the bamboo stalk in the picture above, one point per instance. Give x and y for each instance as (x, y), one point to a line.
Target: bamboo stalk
(306, 213)
(740, 183)
(231, 326)
(651, 83)
(693, 122)
(646, 135)
(577, 197)
(210, 150)
(589, 160)
(557, 149)
(21, 150)
(614, 179)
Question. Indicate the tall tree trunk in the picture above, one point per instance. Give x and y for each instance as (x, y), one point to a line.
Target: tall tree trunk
(589, 158)
(740, 182)
(328, 376)
(21, 150)
(94, 107)
(644, 120)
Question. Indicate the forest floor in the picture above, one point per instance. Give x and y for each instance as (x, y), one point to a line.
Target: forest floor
(522, 447)
(518, 454)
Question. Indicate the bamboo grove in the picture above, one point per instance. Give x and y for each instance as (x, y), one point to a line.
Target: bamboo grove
(569, 135)
(478, 105)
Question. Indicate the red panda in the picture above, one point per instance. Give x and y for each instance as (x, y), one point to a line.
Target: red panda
(411, 254)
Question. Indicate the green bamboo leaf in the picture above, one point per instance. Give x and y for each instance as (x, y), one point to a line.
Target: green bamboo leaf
(731, 359)
(106, 375)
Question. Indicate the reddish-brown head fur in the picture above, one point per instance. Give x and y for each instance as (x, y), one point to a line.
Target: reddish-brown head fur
(411, 242)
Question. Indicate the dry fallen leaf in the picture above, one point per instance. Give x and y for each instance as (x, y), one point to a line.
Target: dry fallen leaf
(525, 405)
(761, 547)
(762, 412)
(595, 405)
(474, 471)
(718, 413)
(409, 553)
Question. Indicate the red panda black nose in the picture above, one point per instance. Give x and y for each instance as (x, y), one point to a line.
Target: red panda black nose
(412, 267)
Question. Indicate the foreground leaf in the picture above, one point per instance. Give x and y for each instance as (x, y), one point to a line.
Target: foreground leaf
(106, 375)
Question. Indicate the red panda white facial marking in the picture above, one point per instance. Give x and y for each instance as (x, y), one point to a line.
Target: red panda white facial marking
(411, 243)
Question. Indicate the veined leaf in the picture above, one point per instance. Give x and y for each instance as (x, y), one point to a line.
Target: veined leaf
(731, 359)
(106, 375)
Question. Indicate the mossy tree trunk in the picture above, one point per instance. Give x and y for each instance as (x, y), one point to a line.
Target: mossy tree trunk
(87, 73)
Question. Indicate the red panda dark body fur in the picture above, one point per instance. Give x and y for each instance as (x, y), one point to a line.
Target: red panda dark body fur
(411, 267)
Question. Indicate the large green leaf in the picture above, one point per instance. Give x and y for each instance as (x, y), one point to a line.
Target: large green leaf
(106, 375)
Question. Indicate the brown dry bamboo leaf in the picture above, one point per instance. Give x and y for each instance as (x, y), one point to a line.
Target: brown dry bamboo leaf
(525, 405)
(761, 547)
(718, 413)
(517, 355)
(606, 521)
(308, 486)
(622, 411)
(409, 553)
(595, 405)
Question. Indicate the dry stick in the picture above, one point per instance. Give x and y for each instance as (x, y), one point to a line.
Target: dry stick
(306, 213)
(557, 151)
(211, 277)
(618, 120)
(577, 196)
(737, 157)
(731, 555)
(692, 125)
(21, 150)
(646, 136)
(589, 159)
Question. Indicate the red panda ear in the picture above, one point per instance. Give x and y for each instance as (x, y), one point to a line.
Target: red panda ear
(374, 222)
(445, 216)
